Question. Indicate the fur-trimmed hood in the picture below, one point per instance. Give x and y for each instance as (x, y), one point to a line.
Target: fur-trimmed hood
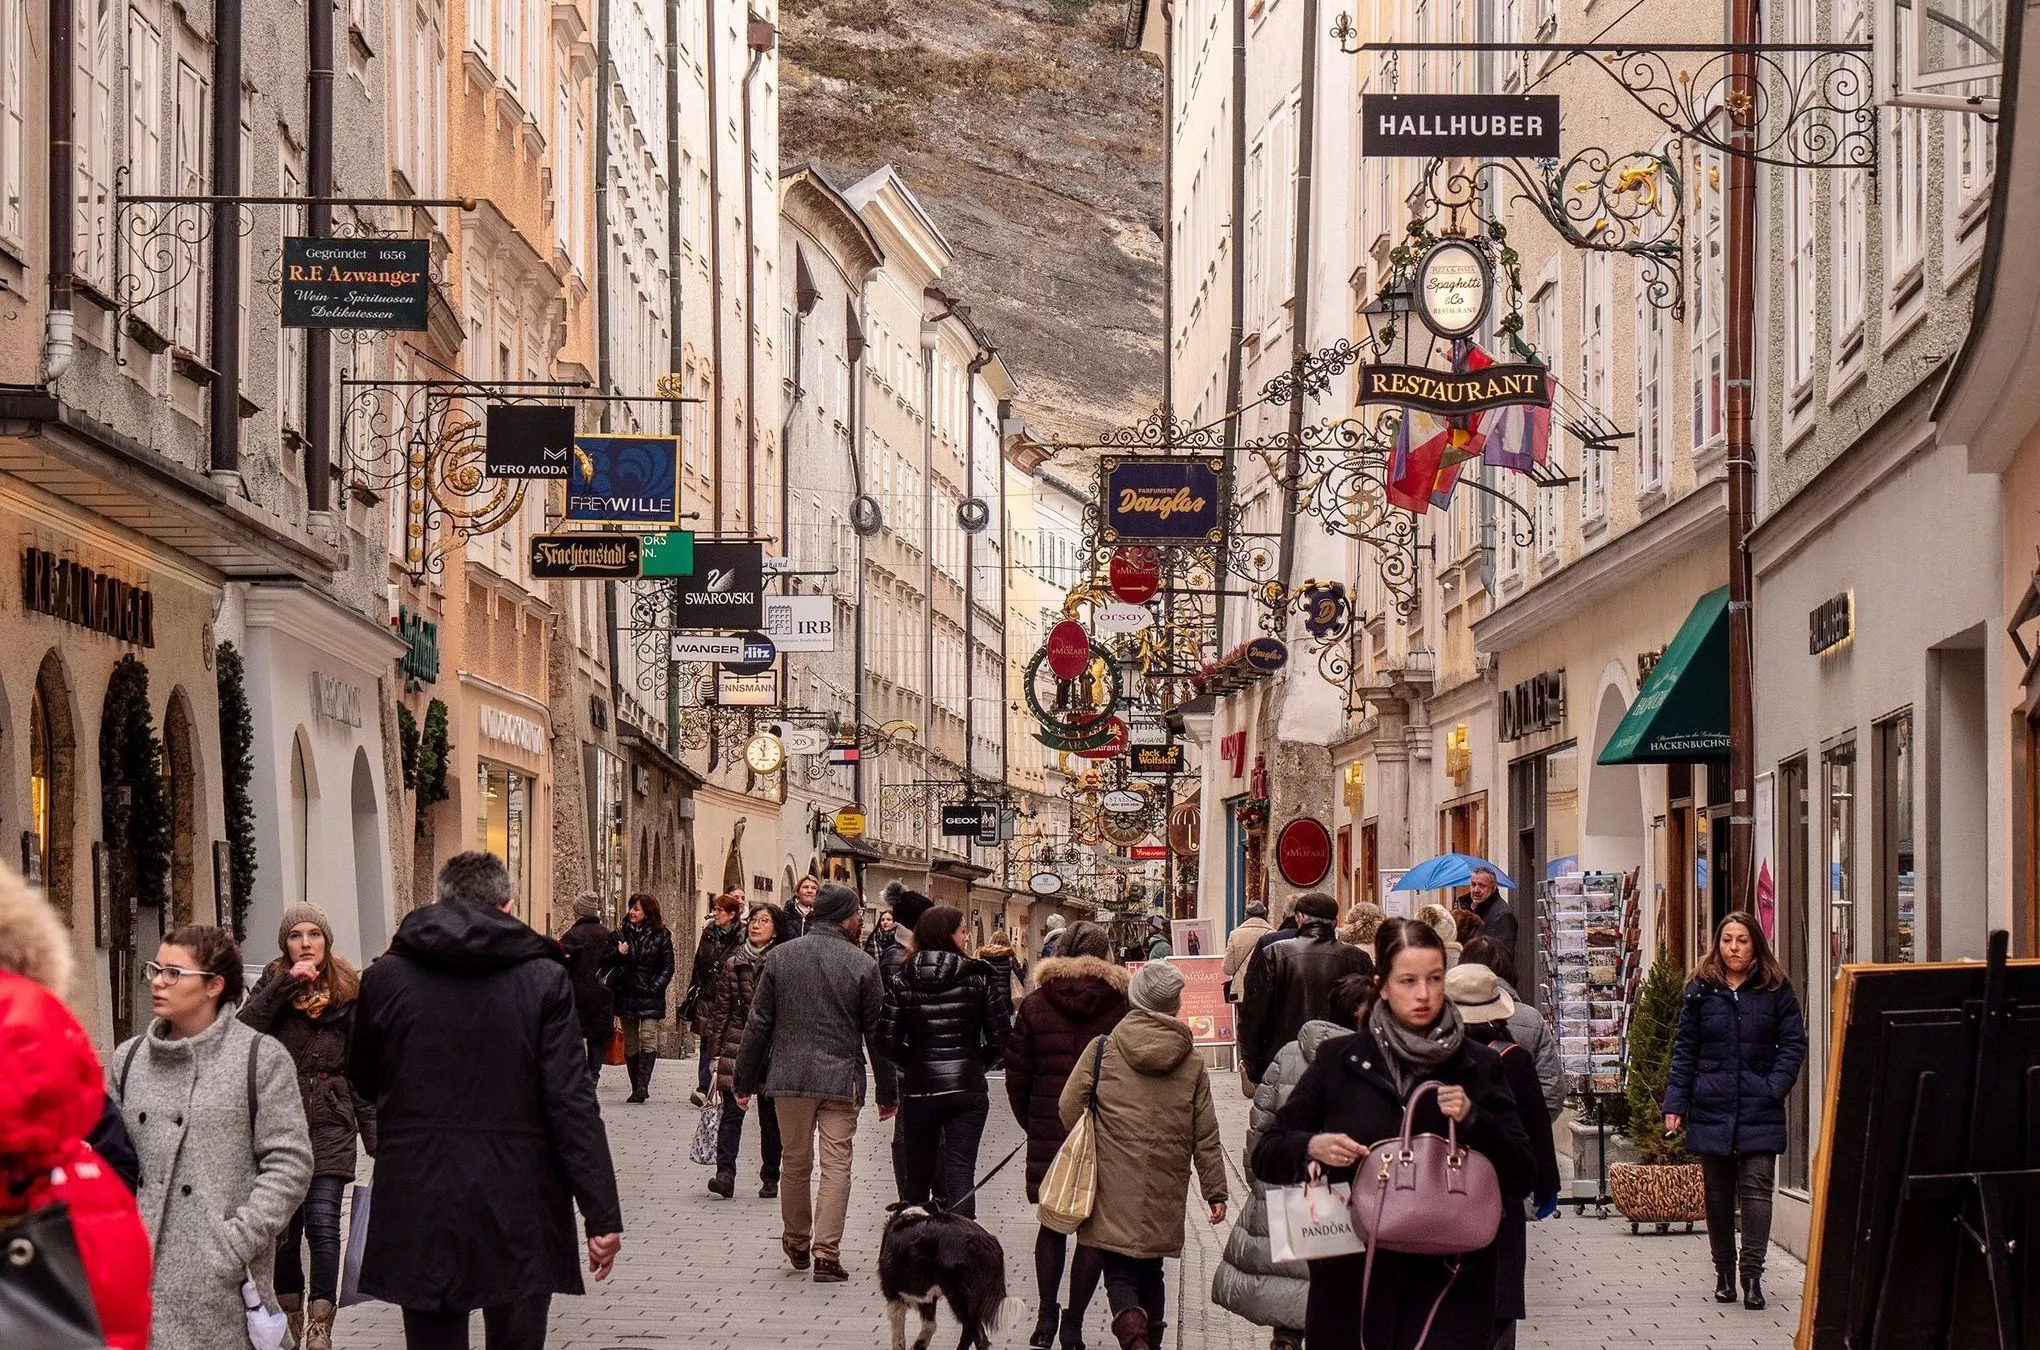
(33, 940)
(1080, 987)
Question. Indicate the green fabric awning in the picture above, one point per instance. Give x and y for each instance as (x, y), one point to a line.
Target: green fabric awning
(1681, 713)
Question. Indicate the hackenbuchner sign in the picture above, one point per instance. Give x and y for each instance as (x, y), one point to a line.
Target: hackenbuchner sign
(1425, 125)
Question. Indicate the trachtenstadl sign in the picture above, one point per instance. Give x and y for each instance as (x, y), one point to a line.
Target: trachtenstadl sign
(1459, 125)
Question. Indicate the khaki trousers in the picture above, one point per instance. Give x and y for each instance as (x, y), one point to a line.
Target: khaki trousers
(814, 1221)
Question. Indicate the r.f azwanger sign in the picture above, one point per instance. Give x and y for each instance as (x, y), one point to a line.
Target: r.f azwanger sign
(1450, 392)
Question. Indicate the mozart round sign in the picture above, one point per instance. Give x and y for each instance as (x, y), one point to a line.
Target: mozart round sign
(1303, 852)
(1069, 649)
(1134, 573)
(1453, 288)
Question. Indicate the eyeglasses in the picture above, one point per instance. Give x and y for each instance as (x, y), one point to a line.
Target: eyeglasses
(170, 974)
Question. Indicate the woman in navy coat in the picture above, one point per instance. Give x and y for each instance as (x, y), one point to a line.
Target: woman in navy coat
(1740, 1045)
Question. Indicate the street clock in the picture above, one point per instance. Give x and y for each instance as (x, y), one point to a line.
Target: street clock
(764, 754)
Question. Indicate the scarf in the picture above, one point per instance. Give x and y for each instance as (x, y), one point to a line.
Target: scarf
(313, 998)
(754, 953)
(1411, 1056)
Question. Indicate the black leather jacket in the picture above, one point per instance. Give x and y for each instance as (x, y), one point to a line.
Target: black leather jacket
(946, 1020)
(1294, 987)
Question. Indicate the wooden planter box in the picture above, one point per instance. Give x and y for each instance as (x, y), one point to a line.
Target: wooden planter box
(1659, 1195)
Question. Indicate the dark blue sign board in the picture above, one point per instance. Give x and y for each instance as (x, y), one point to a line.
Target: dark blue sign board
(624, 480)
(1163, 499)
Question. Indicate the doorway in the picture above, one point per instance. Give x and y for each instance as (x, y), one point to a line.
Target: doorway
(1793, 934)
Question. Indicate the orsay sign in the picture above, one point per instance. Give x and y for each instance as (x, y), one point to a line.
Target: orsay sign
(1420, 126)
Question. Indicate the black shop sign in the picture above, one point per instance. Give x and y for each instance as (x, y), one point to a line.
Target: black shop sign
(726, 590)
(963, 820)
(357, 283)
(1537, 704)
(1470, 126)
(529, 440)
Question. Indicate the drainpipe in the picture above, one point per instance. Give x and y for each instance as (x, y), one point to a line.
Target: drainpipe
(676, 349)
(1168, 215)
(977, 365)
(603, 371)
(1004, 411)
(804, 301)
(1299, 319)
(225, 432)
(1233, 372)
(715, 270)
(857, 482)
(319, 220)
(760, 37)
(931, 337)
(59, 341)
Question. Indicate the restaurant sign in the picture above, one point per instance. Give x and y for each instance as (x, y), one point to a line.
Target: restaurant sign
(1163, 499)
(1449, 393)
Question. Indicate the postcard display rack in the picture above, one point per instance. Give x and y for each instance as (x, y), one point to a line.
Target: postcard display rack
(1589, 931)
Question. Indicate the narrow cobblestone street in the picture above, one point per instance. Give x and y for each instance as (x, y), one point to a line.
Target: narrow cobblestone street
(703, 1272)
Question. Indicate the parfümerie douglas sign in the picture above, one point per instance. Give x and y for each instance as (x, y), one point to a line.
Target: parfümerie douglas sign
(1449, 393)
(1454, 126)
(382, 284)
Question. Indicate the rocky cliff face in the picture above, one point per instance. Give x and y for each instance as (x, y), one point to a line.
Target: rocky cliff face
(1035, 140)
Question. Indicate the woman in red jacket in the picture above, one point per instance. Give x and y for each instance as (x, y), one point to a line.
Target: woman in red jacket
(50, 1098)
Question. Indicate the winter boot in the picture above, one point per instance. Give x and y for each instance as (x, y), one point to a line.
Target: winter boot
(723, 1184)
(634, 1066)
(1724, 1284)
(647, 1062)
(1155, 1330)
(1753, 1291)
(293, 1306)
(1044, 1327)
(1130, 1329)
(318, 1327)
(1072, 1334)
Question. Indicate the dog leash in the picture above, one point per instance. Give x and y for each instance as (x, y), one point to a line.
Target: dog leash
(986, 1179)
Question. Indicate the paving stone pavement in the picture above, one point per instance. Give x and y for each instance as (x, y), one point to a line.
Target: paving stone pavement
(704, 1272)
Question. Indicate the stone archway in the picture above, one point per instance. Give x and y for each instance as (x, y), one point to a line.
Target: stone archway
(53, 782)
(370, 895)
(1612, 833)
(183, 786)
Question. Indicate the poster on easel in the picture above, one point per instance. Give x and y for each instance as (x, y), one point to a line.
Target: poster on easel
(1394, 903)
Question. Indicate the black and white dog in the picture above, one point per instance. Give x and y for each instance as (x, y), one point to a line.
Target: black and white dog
(926, 1256)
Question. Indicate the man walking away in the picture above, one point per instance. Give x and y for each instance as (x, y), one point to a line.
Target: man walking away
(1051, 935)
(1239, 947)
(467, 1041)
(814, 1017)
(1157, 947)
(588, 944)
(1497, 916)
(1294, 982)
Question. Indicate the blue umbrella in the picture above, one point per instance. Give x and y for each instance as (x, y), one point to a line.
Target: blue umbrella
(1448, 870)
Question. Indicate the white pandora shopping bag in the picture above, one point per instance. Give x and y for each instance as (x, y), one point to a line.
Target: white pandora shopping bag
(1311, 1221)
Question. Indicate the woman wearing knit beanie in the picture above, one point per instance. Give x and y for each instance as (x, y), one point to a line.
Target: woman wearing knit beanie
(305, 999)
(1154, 1117)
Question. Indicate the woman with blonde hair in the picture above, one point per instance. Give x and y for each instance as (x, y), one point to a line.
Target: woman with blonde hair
(1439, 919)
(1364, 921)
(306, 1000)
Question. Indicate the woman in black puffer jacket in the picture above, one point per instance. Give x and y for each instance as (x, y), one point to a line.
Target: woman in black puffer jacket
(946, 1019)
(643, 969)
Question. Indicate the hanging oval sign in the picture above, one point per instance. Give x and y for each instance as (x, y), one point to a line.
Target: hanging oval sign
(1453, 288)
(1303, 850)
(1114, 620)
(1134, 573)
(1069, 649)
(1045, 883)
(1323, 607)
(1123, 802)
(1266, 655)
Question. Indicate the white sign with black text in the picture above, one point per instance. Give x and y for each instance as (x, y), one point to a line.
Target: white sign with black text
(801, 623)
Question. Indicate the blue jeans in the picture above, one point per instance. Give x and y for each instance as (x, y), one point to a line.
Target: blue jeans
(316, 1224)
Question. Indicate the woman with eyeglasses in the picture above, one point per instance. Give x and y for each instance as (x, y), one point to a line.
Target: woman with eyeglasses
(218, 1121)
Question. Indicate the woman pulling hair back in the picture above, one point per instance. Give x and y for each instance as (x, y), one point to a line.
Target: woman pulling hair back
(723, 1015)
(1740, 1044)
(1352, 1096)
(644, 967)
(218, 1121)
(305, 999)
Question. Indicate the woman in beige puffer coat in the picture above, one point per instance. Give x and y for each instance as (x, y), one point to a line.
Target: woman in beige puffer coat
(1155, 1118)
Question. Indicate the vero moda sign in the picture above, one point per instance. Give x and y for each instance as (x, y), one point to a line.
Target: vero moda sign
(726, 590)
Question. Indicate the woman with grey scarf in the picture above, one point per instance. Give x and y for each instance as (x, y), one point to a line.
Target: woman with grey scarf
(1351, 1098)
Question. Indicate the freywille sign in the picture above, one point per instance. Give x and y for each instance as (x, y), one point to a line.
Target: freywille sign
(585, 557)
(626, 480)
(76, 594)
(1163, 499)
(529, 440)
(1449, 393)
(726, 590)
(357, 283)
(1421, 126)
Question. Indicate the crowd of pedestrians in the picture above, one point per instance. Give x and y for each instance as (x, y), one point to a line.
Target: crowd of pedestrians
(204, 1169)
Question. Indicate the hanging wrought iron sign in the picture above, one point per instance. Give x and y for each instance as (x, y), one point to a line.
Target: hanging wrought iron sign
(1454, 288)
(1323, 607)
(625, 480)
(1162, 499)
(1465, 126)
(585, 557)
(383, 284)
(1451, 393)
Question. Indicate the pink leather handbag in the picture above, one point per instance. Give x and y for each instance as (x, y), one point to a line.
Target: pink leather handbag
(1426, 1196)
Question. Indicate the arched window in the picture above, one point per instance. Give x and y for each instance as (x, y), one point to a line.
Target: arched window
(300, 821)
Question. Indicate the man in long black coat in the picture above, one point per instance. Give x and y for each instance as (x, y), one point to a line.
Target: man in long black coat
(467, 1041)
(590, 947)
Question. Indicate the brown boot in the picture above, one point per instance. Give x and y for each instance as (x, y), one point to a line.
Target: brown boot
(318, 1326)
(293, 1306)
(1130, 1328)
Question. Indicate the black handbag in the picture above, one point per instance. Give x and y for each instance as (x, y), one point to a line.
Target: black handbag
(45, 1299)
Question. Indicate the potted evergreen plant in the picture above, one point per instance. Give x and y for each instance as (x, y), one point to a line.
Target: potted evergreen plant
(1663, 1186)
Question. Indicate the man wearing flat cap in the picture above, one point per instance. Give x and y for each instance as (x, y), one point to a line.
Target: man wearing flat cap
(813, 1020)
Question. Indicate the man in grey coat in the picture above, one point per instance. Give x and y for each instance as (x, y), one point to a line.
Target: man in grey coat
(813, 1020)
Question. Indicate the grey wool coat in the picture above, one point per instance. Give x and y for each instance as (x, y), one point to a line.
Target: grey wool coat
(221, 1176)
(814, 1018)
(1250, 1281)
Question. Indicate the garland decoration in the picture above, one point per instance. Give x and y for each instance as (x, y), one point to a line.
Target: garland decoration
(434, 749)
(237, 757)
(134, 809)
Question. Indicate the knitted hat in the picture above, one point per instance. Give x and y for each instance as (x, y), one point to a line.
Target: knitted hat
(1157, 987)
(908, 906)
(293, 915)
(588, 905)
(1478, 995)
(835, 904)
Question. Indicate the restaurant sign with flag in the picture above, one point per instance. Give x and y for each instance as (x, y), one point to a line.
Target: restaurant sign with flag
(1450, 393)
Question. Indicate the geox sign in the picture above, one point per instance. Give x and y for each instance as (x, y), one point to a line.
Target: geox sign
(726, 590)
(1493, 126)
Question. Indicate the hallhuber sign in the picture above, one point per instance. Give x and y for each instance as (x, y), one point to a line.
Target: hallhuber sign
(1163, 499)
(1450, 393)
(1421, 126)
(357, 283)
